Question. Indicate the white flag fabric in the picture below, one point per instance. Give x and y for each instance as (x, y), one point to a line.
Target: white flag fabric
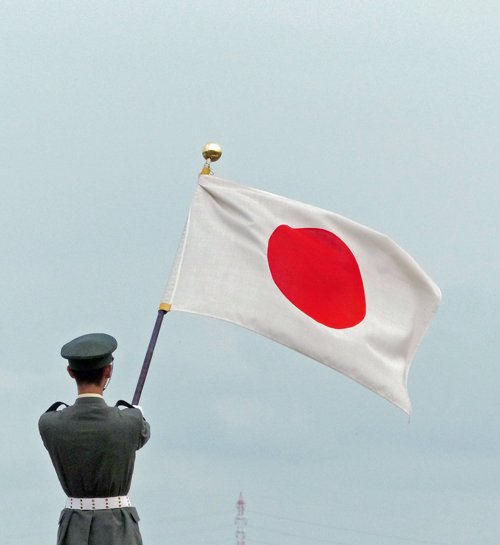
(312, 280)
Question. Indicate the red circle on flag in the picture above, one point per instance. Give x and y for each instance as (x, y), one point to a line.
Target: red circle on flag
(318, 273)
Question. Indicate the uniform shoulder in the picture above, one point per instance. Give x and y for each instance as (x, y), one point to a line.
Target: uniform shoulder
(51, 416)
(133, 415)
(55, 406)
(128, 411)
(54, 411)
(123, 403)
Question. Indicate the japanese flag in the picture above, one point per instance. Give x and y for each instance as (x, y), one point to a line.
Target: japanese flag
(307, 278)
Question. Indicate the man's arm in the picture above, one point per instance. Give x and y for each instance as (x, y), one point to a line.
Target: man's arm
(136, 412)
(145, 433)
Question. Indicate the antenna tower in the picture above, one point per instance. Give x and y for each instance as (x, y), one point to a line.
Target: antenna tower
(240, 521)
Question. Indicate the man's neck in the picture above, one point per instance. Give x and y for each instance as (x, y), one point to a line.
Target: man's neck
(90, 389)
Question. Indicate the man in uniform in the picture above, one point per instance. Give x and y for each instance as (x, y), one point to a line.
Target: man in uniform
(92, 447)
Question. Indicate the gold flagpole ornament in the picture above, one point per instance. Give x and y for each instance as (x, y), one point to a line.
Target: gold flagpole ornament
(211, 152)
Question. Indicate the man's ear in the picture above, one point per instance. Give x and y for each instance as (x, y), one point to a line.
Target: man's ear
(108, 371)
(70, 372)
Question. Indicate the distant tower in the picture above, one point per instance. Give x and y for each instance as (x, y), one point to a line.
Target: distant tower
(240, 521)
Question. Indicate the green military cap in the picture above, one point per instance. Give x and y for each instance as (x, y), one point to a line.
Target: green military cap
(91, 351)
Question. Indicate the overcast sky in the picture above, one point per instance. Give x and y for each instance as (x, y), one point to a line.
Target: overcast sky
(383, 111)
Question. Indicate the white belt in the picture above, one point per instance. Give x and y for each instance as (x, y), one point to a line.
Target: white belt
(98, 503)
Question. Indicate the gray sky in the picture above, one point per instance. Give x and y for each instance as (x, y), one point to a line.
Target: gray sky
(386, 112)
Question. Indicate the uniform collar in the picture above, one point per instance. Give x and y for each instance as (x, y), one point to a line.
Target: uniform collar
(89, 395)
(90, 400)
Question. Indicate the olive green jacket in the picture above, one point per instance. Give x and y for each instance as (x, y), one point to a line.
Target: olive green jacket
(92, 447)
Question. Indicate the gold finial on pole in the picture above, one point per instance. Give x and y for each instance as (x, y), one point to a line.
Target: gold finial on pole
(211, 152)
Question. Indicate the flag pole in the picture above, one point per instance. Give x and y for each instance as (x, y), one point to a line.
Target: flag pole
(211, 153)
(149, 354)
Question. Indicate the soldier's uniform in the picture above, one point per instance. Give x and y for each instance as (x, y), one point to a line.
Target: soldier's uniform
(92, 447)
